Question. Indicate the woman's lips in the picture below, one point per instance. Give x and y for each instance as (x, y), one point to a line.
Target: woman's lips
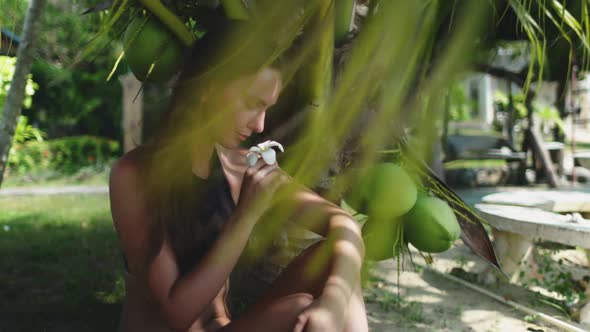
(243, 137)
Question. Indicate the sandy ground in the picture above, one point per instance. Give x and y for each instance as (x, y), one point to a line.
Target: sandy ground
(425, 301)
(421, 300)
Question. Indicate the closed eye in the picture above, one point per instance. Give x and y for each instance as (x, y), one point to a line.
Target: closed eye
(255, 104)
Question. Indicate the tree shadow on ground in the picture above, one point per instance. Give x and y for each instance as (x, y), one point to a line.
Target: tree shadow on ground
(409, 307)
(433, 303)
(59, 275)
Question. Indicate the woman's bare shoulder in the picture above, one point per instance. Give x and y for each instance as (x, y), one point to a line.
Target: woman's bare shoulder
(129, 208)
(128, 168)
(127, 187)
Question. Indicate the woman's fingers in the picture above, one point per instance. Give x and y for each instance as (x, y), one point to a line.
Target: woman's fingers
(254, 169)
(263, 179)
(271, 182)
(301, 323)
(265, 170)
(260, 170)
(273, 176)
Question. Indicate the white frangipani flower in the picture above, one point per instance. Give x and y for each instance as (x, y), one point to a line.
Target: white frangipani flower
(263, 150)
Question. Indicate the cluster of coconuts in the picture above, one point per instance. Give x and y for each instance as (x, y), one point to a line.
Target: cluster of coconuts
(398, 212)
(152, 52)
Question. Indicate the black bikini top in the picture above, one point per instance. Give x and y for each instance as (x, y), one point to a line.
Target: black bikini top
(216, 197)
(212, 204)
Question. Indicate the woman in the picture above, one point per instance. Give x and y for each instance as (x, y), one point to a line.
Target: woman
(185, 204)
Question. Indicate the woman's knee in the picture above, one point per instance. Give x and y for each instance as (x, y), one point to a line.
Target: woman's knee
(278, 315)
(293, 303)
(297, 301)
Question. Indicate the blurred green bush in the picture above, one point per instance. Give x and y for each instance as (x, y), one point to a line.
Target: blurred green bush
(64, 155)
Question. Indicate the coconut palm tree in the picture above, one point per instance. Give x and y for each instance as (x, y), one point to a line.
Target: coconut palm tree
(366, 71)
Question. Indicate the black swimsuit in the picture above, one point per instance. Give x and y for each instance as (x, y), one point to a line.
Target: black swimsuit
(213, 200)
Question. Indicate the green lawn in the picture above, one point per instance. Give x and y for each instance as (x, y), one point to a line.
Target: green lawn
(580, 146)
(458, 164)
(84, 177)
(61, 268)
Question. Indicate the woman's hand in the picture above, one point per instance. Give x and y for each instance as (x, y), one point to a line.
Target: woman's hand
(320, 316)
(259, 185)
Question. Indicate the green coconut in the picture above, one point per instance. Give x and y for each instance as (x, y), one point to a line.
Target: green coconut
(147, 42)
(385, 191)
(382, 238)
(431, 225)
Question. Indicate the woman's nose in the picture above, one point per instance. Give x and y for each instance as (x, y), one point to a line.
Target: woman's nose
(257, 123)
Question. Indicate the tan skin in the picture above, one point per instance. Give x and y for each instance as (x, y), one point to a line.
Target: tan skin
(330, 301)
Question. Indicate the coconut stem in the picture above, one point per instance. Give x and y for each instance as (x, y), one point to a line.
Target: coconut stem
(170, 20)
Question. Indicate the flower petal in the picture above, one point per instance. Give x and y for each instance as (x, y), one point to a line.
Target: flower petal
(269, 156)
(277, 144)
(252, 158)
(256, 149)
(264, 145)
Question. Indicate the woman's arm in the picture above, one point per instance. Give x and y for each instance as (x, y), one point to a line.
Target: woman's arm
(310, 210)
(345, 249)
(181, 299)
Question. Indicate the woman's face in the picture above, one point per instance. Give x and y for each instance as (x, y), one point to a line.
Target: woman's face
(244, 103)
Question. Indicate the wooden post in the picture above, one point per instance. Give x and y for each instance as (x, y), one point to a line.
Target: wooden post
(585, 310)
(510, 116)
(540, 152)
(573, 96)
(446, 118)
(132, 111)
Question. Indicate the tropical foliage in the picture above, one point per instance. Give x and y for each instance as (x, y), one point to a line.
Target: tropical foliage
(64, 156)
(75, 99)
(392, 71)
(6, 72)
(547, 114)
(389, 74)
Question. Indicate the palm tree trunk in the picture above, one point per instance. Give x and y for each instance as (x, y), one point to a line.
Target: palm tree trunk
(14, 99)
(315, 80)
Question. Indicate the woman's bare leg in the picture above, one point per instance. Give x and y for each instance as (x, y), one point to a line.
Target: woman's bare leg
(293, 280)
(357, 314)
(278, 315)
(293, 292)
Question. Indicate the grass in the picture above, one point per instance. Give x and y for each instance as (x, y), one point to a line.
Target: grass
(61, 268)
(410, 312)
(460, 164)
(580, 146)
(86, 176)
